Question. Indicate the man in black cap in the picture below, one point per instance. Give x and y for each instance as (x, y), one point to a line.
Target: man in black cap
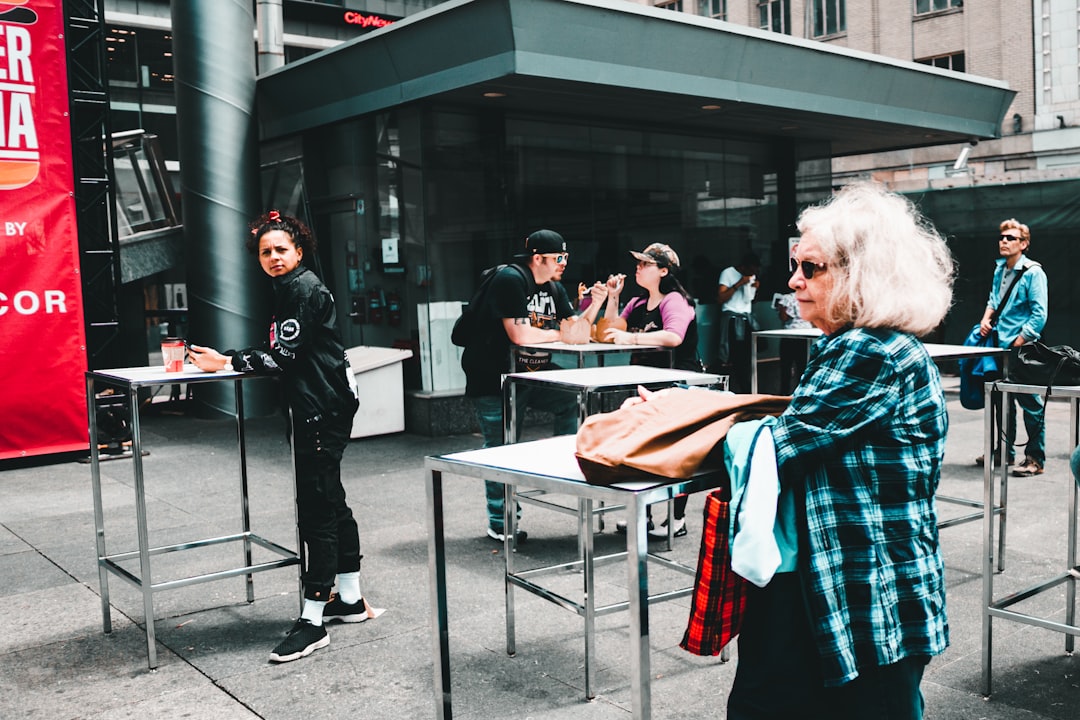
(524, 305)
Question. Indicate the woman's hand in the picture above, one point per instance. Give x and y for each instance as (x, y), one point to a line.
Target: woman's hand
(206, 359)
(643, 395)
(620, 337)
(615, 283)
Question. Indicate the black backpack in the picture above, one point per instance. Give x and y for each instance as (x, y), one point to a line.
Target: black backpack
(469, 327)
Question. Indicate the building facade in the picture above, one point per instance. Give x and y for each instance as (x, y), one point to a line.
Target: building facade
(1031, 172)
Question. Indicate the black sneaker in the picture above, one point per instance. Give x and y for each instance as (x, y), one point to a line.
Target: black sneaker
(620, 527)
(661, 532)
(499, 535)
(302, 640)
(336, 609)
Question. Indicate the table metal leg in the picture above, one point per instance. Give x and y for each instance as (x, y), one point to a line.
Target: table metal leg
(509, 544)
(753, 365)
(585, 519)
(440, 632)
(988, 537)
(245, 509)
(1070, 584)
(638, 586)
(998, 420)
(99, 512)
(146, 579)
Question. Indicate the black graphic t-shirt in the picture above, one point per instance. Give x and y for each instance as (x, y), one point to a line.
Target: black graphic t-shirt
(512, 294)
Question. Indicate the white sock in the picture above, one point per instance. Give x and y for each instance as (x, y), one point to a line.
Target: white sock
(348, 587)
(312, 611)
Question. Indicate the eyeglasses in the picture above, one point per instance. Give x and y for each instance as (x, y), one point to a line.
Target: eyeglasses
(560, 258)
(646, 263)
(808, 267)
(1010, 238)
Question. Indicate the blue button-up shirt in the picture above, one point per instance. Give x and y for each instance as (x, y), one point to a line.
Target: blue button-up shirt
(1025, 313)
(863, 441)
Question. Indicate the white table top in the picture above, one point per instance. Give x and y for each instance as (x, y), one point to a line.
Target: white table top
(590, 348)
(615, 376)
(938, 351)
(156, 375)
(551, 458)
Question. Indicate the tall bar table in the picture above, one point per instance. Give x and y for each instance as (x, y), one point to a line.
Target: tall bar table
(590, 385)
(129, 381)
(1069, 575)
(591, 349)
(550, 465)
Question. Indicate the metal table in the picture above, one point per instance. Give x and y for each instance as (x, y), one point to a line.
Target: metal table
(1000, 608)
(591, 349)
(590, 385)
(130, 381)
(550, 465)
(807, 334)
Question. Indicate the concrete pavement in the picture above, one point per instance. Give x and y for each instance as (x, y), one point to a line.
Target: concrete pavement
(55, 661)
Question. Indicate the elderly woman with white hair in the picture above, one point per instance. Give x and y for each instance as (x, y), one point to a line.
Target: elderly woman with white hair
(849, 633)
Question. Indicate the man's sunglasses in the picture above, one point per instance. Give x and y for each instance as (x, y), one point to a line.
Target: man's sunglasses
(1009, 238)
(808, 267)
(561, 258)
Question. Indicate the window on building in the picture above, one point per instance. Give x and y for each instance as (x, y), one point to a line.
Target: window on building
(928, 6)
(675, 5)
(948, 62)
(713, 8)
(829, 17)
(775, 15)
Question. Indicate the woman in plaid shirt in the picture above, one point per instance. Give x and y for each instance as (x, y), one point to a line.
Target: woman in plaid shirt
(849, 634)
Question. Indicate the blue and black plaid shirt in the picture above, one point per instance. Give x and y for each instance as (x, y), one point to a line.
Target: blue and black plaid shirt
(863, 440)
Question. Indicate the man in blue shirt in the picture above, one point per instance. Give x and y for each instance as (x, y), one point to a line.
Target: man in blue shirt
(1020, 321)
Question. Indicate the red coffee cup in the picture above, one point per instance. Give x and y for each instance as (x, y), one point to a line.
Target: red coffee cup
(172, 354)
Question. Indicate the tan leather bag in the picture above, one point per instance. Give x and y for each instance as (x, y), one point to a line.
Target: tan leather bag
(672, 435)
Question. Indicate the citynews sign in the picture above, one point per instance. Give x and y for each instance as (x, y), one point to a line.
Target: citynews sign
(331, 15)
(42, 337)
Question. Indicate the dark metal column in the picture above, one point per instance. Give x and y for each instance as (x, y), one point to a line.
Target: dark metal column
(214, 60)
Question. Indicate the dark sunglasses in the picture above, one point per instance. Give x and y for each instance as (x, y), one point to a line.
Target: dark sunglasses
(808, 267)
(1009, 238)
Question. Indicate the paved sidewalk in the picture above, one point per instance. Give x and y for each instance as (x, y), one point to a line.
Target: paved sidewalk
(55, 661)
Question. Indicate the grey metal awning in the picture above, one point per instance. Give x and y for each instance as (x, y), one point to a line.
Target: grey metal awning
(615, 61)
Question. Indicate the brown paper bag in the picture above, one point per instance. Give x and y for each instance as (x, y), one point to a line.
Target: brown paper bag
(604, 323)
(574, 331)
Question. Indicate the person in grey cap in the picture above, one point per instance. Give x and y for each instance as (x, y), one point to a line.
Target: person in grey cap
(524, 305)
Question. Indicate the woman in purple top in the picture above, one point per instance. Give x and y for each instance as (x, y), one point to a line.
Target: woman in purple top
(663, 315)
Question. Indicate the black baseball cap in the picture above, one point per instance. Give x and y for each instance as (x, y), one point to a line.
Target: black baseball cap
(543, 241)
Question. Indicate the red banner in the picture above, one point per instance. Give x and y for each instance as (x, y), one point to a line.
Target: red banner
(42, 339)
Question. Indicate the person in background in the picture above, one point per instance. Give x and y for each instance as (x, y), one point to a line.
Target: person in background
(849, 633)
(736, 289)
(524, 305)
(1020, 321)
(305, 349)
(1074, 463)
(662, 315)
(792, 350)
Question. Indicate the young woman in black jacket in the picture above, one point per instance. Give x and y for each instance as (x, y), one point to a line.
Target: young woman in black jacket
(305, 349)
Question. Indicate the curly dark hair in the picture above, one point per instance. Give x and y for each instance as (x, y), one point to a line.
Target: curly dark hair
(301, 235)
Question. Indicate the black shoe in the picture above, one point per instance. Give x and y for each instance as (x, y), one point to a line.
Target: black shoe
(499, 535)
(336, 609)
(620, 527)
(661, 532)
(302, 640)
